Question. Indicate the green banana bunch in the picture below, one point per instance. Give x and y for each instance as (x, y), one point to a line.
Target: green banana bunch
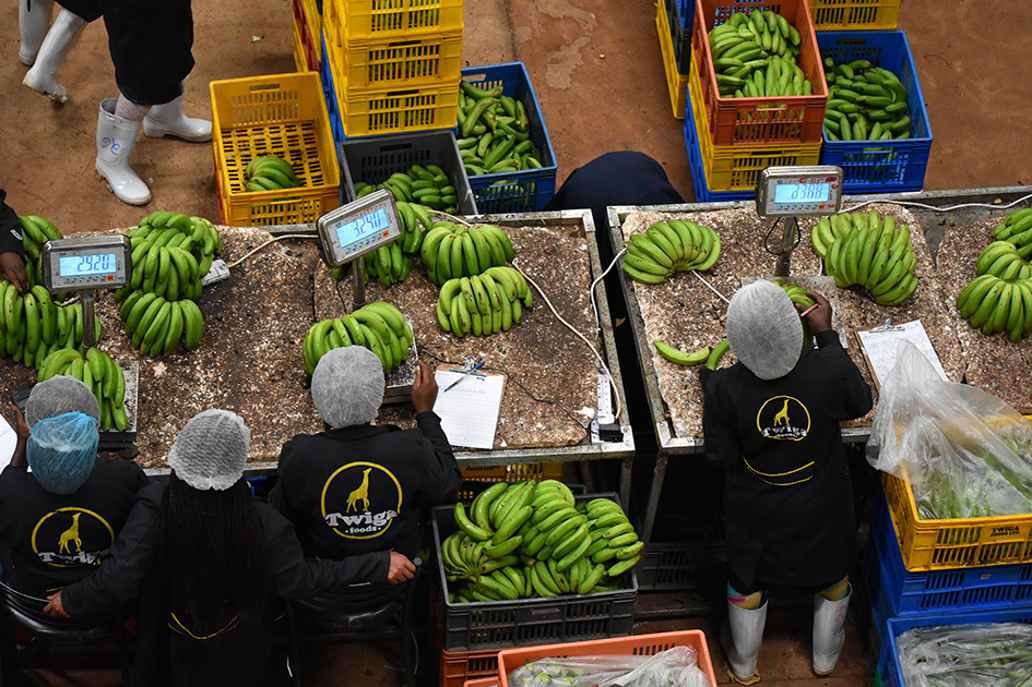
(415, 224)
(1008, 257)
(451, 250)
(1017, 228)
(532, 540)
(36, 231)
(756, 55)
(802, 300)
(868, 250)
(171, 255)
(494, 132)
(388, 265)
(993, 305)
(269, 173)
(667, 247)
(156, 325)
(378, 326)
(866, 103)
(483, 304)
(32, 325)
(98, 371)
(424, 185)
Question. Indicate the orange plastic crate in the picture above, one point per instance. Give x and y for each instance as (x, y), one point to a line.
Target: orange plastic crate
(855, 15)
(381, 19)
(676, 81)
(637, 645)
(483, 682)
(459, 668)
(400, 63)
(781, 119)
(278, 114)
(309, 48)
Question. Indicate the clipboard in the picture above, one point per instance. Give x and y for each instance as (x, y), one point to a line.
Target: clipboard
(881, 344)
(469, 411)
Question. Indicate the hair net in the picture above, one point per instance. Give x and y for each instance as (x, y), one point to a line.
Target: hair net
(347, 386)
(59, 395)
(62, 451)
(210, 452)
(764, 329)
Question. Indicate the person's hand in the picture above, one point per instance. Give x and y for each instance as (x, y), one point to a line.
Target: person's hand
(20, 425)
(819, 317)
(54, 607)
(401, 569)
(424, 389)
(13, 270)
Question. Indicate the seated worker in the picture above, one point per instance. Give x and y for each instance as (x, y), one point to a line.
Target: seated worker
(12, 255)
(773, 420)
(60, 516)
(357, 488)
(209, 563)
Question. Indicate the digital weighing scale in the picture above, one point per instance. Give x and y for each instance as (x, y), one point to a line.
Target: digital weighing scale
(794, 192)
(345, 236)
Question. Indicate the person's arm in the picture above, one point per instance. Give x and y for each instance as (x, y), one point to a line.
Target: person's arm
(849, 395)
(442, 471)
(278, 495)
(19, 459)
(12, 254)
(718, 423)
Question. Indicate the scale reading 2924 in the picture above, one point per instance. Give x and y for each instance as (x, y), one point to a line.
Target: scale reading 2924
(788, 193)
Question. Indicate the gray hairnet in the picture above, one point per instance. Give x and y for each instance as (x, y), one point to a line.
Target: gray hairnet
(764, 330)
(347, 386)
(59, 395)
(210, 452)
(62, 451)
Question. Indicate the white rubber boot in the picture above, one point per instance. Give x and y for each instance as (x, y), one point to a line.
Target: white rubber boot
(742, 643)
(43, 75)
(33, 24)
(169, 120)
(829, 633)
(116, 138)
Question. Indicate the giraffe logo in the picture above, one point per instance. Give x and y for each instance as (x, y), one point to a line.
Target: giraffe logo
(783, 418)
(72, 537)
(360, 500)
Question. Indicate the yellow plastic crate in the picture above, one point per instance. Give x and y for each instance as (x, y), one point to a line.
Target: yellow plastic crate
(363, 20)
(737, 167)
(855, 15)
(300, 60)
(959, 543)
(676, 81)
(278, 114)
(409, 63)
(313, 17)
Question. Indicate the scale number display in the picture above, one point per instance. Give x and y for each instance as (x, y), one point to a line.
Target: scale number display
(363, 227)
(812, 192)
(96, 264)
(804, 191)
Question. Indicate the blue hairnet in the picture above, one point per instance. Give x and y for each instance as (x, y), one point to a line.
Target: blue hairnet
(62, 451)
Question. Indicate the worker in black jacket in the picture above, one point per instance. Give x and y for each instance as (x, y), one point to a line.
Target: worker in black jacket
(209, 564)
(773, 419)
(358, 488)
(12, 255)
(60, 514)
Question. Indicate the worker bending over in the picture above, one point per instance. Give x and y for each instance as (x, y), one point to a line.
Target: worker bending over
(357, 488)
(773, 419)
(12, 255)
(59, 516)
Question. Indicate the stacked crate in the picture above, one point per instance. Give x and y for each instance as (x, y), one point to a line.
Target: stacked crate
(307, 34)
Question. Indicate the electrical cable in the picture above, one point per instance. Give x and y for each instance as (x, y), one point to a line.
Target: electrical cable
(951, 208)
(594, 285)
(271, 241)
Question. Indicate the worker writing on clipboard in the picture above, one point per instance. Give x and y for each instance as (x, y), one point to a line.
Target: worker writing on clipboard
(772, 419)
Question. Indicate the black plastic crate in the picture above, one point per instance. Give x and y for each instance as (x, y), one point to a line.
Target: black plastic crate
(678, 566)
(525, 622)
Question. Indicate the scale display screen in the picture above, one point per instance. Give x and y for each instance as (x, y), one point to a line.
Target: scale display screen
(363, 227)
(799, 191)
(802, 192)
(83, 265)
(357, 228)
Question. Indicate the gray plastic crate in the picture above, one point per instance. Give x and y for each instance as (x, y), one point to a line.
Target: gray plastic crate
(570, 618)
(374, 159)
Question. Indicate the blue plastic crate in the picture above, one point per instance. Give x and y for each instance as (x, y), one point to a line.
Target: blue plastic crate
(885, 166)
(680, 14)
(530, 189)
(699, 184)
(892, 676)
(330, 93)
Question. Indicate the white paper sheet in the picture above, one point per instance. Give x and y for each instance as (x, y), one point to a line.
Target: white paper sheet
(882, 347)
(469, 412)
(8, 442)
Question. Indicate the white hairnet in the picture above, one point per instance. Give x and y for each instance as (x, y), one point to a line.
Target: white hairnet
(210, 452)
(59, 395)
(764, 329)
(347, 386)
(62, 451)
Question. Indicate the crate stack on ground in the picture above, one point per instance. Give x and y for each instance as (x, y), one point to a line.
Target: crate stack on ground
(674, 29)
(924, 573)
(729, 139)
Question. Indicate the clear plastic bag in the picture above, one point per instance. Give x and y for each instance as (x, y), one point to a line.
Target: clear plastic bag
(965, 453)
(998, 655)
(674, 667)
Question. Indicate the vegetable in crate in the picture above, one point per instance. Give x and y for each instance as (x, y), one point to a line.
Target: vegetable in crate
(101, 375)
(997, 654)
(269, 173)
(451, 250)
(756, 55)
(32, 325)
(533, 540)
(666, 247)
(378, 326)
(866, 103)
(868, 250)
(427, 185)
(483, 304)
(494, 132)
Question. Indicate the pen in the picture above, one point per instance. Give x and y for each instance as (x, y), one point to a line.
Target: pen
(803, 315)
(454, 384)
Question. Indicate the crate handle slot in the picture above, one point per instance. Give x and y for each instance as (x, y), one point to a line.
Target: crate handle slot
(402, 44)
(264, 87)
(544, 613)
(395, 94)
(474, 78)
(777, 107)
(396, 147)
(877, 150)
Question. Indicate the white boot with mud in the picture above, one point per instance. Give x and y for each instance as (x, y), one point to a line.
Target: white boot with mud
(116, 138)
(742, 642)
(43, 75)
(829, 633)
(33, 21)
(169, 120)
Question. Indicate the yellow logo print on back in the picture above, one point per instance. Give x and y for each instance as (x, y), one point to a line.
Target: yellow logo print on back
(72, 537)
(783, 418)
(360, 500)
